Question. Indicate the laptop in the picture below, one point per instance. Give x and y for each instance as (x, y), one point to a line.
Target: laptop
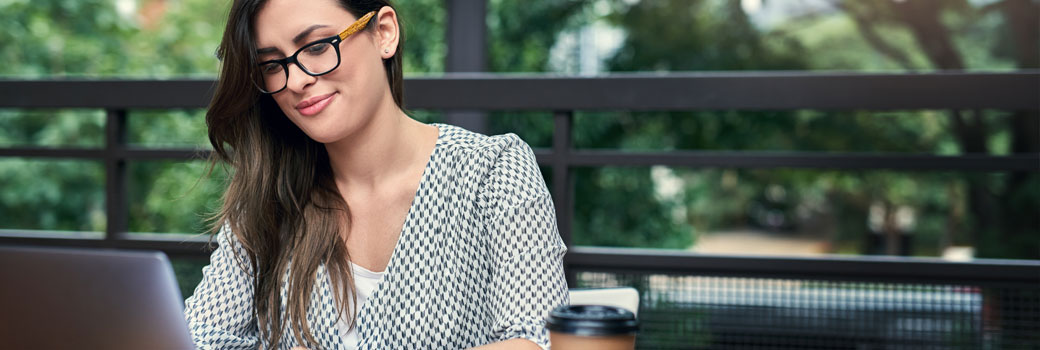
(58, 298)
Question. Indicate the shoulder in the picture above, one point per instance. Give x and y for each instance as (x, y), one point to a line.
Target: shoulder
(458, 141)
(504, 167)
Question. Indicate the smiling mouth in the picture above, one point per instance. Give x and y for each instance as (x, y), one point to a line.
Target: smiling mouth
(314, 105)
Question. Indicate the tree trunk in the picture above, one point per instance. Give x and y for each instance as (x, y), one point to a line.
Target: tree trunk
(924, 18)
(865, 20)
(1023, 18)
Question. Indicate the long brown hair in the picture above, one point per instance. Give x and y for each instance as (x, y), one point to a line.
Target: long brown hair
(281, 202)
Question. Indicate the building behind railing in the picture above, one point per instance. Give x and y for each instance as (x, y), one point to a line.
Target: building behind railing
(688, 301)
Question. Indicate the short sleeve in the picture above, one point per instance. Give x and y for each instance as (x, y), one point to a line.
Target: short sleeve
(220, 311)
(528, 279)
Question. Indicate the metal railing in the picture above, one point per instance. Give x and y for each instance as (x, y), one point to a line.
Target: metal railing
(650, 270)
(734, 302)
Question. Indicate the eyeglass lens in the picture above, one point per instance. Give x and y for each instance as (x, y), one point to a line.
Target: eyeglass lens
(315, 59)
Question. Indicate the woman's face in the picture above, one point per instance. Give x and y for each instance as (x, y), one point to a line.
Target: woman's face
(330, 107)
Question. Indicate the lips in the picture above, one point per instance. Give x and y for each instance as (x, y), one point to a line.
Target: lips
(314, 105)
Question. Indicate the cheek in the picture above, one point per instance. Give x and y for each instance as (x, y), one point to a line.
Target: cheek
(349, 74)
(354, 83)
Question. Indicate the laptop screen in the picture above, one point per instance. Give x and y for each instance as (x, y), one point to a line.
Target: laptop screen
(56, 298)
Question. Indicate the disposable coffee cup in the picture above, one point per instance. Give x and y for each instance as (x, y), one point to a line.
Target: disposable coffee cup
(599, 327)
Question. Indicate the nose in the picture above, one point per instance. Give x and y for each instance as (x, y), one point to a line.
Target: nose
(298, 80)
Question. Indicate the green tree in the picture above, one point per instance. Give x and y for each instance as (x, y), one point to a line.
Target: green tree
(1002, 223)
(717, 35)
(154, 39)
(150, 39)
(168, 38)
(614, 206)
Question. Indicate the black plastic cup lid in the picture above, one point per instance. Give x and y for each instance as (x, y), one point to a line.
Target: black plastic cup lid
(592, 320)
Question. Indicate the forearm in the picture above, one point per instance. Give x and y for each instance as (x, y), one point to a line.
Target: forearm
(511, 344)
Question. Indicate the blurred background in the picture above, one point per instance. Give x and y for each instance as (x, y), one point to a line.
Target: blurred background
(783, 212)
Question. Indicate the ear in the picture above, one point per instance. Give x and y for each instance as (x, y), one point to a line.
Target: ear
(388, 32)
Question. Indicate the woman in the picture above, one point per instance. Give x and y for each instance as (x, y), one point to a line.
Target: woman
(347, 224)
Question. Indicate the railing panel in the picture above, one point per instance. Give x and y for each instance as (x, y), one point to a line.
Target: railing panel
(637, 91)
(725, 302)
(688, 301)
(711, 312)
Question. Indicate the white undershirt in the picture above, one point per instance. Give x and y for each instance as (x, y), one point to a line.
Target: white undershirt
(365, 282)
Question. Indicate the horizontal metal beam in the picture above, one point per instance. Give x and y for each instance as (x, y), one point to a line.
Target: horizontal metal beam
(109, 94)
(638, 91)
(765, 160)
(741, 91)
(149, 154)
(97, 154)
(746, 160)
(645, 261)
(42, 152)
(179, 245)
(864, 268)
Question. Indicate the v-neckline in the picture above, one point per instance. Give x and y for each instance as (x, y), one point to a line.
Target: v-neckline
(411, 207)
(408, 219)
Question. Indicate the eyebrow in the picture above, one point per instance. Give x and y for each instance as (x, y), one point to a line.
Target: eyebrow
(296, 39)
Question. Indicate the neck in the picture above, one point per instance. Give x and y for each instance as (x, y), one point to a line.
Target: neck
(378, 152)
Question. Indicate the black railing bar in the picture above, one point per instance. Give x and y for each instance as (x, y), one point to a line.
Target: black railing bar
(106, 93)
(51, 234)
(563, 196)
(167, 237)
(738, 90)
(97, 235)
(887, 268)
(764, 159)
(639, 91)
(561, 171)
(100, 153)
(145, 154)
(748, 159)
(980, 278)
(52, 152)
(185, 248)
(117, 213)
(916, 270)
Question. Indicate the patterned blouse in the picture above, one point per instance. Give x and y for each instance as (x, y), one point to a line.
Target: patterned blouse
(479, 260)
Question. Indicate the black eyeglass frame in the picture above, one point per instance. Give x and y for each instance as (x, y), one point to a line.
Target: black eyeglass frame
(334, 41)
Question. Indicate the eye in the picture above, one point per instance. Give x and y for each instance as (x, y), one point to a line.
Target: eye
(270, 68)
(316, 49)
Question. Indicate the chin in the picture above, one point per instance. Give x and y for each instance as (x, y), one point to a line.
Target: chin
(329, 126)
(330, 133)
(322, 131)
(324, 137)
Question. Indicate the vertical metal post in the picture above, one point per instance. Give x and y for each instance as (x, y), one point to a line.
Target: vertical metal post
(562, 187)
(467, 36)
(116, 208)
(467, 52)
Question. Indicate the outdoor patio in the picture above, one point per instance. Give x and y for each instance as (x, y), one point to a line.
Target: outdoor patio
(688, 300)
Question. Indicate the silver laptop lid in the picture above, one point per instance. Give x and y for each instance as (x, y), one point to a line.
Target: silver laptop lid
(53, 298)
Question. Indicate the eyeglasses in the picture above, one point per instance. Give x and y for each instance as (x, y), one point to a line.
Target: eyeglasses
(315, 59)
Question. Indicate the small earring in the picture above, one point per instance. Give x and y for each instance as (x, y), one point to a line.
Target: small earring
(386, 50)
